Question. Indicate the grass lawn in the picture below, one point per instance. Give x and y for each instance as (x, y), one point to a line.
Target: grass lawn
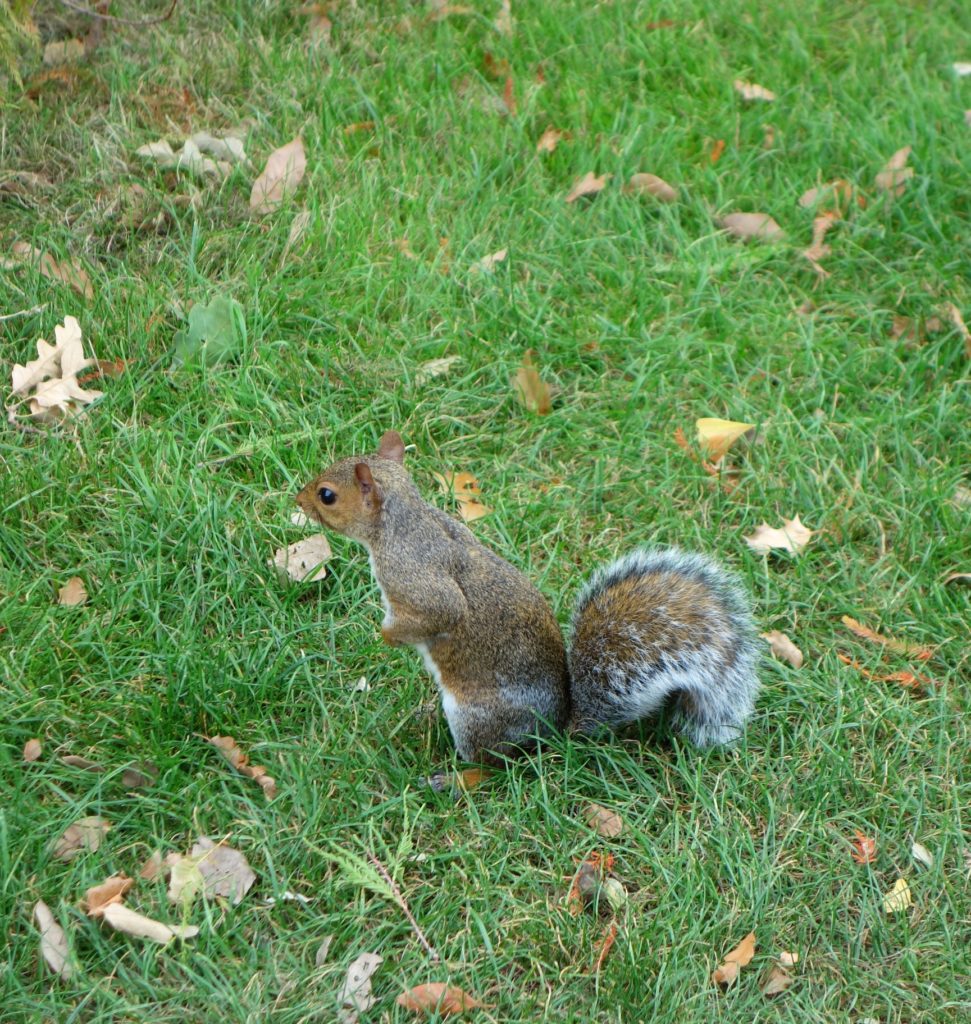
(168, 496)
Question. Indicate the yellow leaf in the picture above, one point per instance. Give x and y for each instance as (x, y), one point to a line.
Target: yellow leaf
(465, 489)
(899, 898)
(727, 971)
(717, 436)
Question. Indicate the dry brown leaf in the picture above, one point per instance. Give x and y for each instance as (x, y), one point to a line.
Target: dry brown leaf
(503, 23)
(895, 174)
(608, 823)
(487, 264)
(783, 648)
(793, 536)
(355, 995)
(124, 919)
(284, 171)
(917, 651)
(531, 390)
(437, 997)
(111, 890)
(303, 561)
(908, 680)
(152, 867)
(465, 489)
(954, 314)
(776, 981)
(838, 192)
(549, 140)
(139, 776)
(435, 368)
(650, 185)
(225, 871)
(84, 834)
(82, 763)
(717, 436)
(606, 944)
(899, 898)
(72, 593)
(727, 972)
(67, 272)
(787, 959)
(750, 91)
(752, 225)
(53, 942)
(717, 148)
(227, 746)
(818, 249)
(32, 750)
(921, 854)
(864, 848)
(64, 51)
(587, 186)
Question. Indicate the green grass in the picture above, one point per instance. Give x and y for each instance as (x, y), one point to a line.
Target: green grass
(169, 496)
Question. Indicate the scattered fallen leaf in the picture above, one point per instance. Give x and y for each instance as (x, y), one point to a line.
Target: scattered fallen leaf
(864, 848)
(437, 997)
(53, 942)
(750, 91)
(899, 898)
(895, 174)
(752, 225)
(139, 776)
(111, 890)
(650, 185)
(68, 272)
(717, 148)
(588, 882)
(838, 192)
(124, 919)
(320, 957)
(225, 871)
(319, 25)
(891, 643)
(954, 314)
(359, 126)
(84, 834)
(152, 867)
(190, 157)
(768, 136)
(587, 186)
(355, 995)
(908, 680)
(465, 489)
(961, 68)
(64, 51)
(227, 746)
(303, 561)
(615, 894)
(435, 368)
(32, 750)
(608, 823)
(717, 436)
(818, 249)
(185, 879)
(921, 854)
(531, 390)
(793, 536)
(440, 10)
(776, 981)
(72, 593)
(958, 577)
(606, 943)
(549, 140)
(82, 763)
(727, 972)
(215, 333)
(297, 230)
(503, 23)
(487, 264)
(787, 959)
(283, 173)
(783, 648)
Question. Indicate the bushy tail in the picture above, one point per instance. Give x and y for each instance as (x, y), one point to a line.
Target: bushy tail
(664, 628)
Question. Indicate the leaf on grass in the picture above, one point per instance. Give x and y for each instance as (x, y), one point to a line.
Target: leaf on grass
(215, 333)
(787, 959)
(899, 898)
(717, 436)
(954, 314)
(438, 998)
(608, 823)
(297, 229)
(588, 882)
(303, 561)
(531, 390)
(225, 871)
(549, 140)
(503, 23)
(82, 763)
(124, 919)
(111, 890)
(783, 648)
(84, 834)
(72, 593)
(320, 957)
(465, 489)
(752, 225)
(139, 776)
(650, 185)
(750, 91)
(921, 854)
(152, 867)
(355, 995)
(717, 148)
(958, 577)
(53, 942)
(727, 972)
(284, 171)
(818, 249)
(487, 264)
(185, 879)
(227, 746)
(908, 680)
(895, 174)
(435, 368)
(864, 848)
(63, 51)
(917, 651)
(793, 537)
(319, 25)
(775, 982)
(606, 943)
(68, 272)
(961, 68)
(587, 186)
(32, 750)
(838, 192)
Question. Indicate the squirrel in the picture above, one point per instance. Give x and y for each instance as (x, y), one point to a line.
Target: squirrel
(660, 628)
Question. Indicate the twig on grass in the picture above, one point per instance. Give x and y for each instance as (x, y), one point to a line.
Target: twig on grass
(400, 900)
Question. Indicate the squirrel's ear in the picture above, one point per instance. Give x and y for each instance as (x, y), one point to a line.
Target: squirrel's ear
(367, 485)
(392, 447)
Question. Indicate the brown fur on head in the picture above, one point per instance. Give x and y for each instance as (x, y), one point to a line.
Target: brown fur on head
(348, 496)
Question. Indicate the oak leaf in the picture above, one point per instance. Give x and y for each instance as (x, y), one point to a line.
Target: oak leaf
(727, 971)
(792, 536)
(304, 560)
(284, 171)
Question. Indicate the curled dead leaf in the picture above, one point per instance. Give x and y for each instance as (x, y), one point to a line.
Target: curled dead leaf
(111, 890)
(84, 834)
(727, 971)
(608, 823)
(53, 942)
(752, 225)
(32, 750)
(650, 185)
(437, 997)
(284, 171)
(587, 186)
(152, 867)
(228, 747)
(864, 848)
(783, 648)
(68, 272)
(124, 919)
(717, 436)
(531, 390)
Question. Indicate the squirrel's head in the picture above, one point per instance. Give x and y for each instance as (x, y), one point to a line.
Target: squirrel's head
(348, 496)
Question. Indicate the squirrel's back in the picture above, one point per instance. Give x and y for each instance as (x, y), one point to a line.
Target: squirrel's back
(664, 628)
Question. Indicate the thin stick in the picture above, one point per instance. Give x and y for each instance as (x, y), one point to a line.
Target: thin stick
(81, 9)
(383, 871)
(24, 312)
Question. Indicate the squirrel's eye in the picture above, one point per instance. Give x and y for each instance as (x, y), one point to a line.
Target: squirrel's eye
(327, 496)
